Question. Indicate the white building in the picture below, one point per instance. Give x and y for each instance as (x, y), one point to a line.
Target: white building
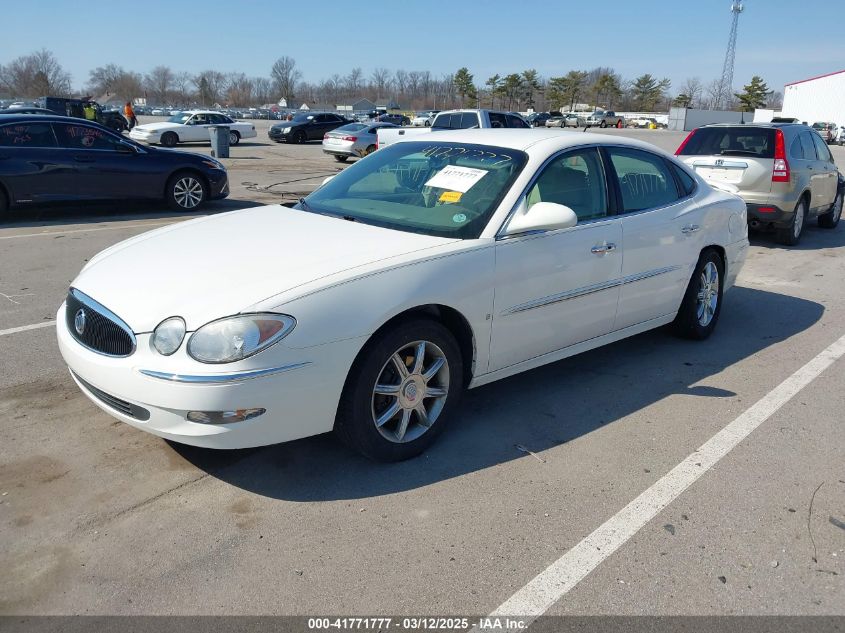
(816, 99)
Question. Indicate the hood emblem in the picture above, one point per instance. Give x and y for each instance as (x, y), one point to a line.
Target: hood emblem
(79, 321)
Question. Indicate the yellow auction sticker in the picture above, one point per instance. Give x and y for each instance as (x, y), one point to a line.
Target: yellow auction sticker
(450, 196)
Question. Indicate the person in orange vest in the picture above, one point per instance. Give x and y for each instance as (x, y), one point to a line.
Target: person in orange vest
(129, 113)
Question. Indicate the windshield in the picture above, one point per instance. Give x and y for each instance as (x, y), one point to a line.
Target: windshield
(179, 118)
(731, 141)
(440, 189)
(302, 118)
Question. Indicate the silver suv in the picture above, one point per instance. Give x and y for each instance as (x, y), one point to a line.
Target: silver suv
(783, 171)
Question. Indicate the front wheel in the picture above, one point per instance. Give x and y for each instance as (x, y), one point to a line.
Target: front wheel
(186, 191)
(830, 219)
(603, 124)
(791, 235)
(299, 137)
(401, 391)
(169, 139)
(702, 300)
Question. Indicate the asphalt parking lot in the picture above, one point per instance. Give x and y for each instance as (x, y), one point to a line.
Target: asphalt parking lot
(98, 518)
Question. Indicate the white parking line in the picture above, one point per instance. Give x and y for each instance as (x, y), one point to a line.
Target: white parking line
(26, 328)
(101, 228)
(545, 589)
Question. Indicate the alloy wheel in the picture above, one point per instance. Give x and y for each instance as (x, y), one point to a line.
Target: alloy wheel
(798, 223)
(708, 294)
(410, 391)
(188, 192)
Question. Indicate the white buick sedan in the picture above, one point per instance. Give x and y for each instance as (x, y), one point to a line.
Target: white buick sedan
(426, 268)
(190, 127)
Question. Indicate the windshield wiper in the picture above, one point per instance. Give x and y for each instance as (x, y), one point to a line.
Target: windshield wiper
(307, 207)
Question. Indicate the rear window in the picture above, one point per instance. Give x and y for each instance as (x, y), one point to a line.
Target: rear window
(731, 141)
(27, 135)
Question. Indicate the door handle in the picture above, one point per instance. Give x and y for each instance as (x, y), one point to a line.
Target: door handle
(690, 228)
(603, 248)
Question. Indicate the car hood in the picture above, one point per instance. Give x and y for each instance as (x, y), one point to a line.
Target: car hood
(157, 127)
(220, 265)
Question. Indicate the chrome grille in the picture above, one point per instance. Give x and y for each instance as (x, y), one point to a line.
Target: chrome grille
(96, 327)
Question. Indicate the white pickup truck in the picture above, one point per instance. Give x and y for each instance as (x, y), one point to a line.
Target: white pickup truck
(454, 120)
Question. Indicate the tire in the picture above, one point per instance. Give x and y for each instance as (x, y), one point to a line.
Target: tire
(427, 124)
(186, 191)
(370, 149)
(340, 159)
(830, 219)
(234, 137)
(698, 314)
(384, 424)
(298, 137)
(603, 124)
(169, 139)
(791, 235)
(4, 204)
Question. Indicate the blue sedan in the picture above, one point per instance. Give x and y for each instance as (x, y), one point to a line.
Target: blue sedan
(46, 159)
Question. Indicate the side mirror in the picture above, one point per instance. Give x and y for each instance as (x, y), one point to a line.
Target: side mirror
(542, 216)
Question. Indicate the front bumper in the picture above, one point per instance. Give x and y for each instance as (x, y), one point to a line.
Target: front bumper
(276, 135)
(218, 186)
(299, 388)
(144, 137)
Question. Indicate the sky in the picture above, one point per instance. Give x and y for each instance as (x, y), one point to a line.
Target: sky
(780, 40)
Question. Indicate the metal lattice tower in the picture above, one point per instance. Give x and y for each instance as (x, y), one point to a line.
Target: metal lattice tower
(726, 83)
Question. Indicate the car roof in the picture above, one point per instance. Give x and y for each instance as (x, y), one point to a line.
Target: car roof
(524, 139)
(770, 125)
(39, 118)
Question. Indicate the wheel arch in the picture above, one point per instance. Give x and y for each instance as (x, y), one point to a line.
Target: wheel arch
(449, 317)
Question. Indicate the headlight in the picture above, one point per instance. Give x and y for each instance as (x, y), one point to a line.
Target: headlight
(285, 130)
(168, 335)
(235, 338)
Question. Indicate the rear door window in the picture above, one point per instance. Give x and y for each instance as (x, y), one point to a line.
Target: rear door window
(821, 149)
(808, 145)
(497, 119)
(469, 120)
(84, 137)
(27, 135)
(731, 141)
(644, 179)
(515, 121)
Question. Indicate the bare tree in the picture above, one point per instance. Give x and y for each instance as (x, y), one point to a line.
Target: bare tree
(114, 80)
(159, 82)
(400, 78)
(285, 76)
(262, 90)
(238, 89)
(182, 88)
(35, 75)
(693, 89)
(354, 82)
(210, 85)
(380, 81)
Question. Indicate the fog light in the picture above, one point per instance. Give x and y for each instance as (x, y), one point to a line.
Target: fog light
(224, 417)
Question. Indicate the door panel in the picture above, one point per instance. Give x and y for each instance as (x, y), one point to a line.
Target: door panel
(552, 291)
(662, 236)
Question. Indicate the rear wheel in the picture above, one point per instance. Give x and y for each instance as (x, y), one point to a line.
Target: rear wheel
(340, 159)
(186, 191)
(791, 235)
(370, 149)
(234, 137)
(401, 390)
(169, 139)
(702, 301)
(830, 219)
